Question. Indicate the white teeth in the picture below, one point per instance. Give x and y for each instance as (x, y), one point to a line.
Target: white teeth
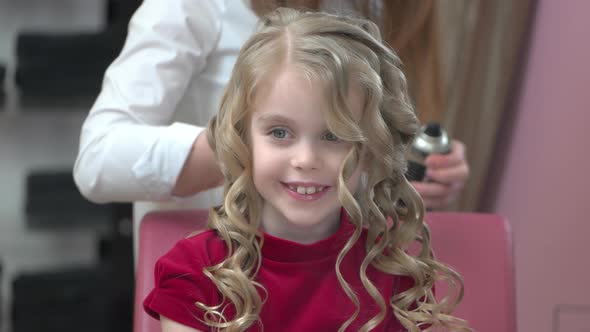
(306, 190)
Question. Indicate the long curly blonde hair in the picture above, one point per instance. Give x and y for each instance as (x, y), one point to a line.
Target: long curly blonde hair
(338, 50)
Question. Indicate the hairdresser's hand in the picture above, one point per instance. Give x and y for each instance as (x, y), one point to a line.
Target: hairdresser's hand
(445, 177)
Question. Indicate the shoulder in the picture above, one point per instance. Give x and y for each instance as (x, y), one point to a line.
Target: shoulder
(208, 8)
(400, 282)
(183, 264)
(200, 17)
(179, 281)
(196, 251)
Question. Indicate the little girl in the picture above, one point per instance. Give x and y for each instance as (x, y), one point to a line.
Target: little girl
(314, 231)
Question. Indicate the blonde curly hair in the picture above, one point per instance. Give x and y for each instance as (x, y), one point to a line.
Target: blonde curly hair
(332, 49)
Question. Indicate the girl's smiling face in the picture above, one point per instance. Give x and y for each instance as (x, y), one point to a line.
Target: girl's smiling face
(296, 159)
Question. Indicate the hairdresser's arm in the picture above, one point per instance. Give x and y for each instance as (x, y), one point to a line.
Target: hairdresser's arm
(445, 177)
(201, 160)
(129, 149)
(169, 325)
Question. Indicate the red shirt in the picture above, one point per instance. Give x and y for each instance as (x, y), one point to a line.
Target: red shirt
(303, 291)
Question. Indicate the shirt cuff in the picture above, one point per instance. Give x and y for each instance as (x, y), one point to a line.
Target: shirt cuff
(159, 167)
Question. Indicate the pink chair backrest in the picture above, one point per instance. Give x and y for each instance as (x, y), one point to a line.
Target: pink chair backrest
(478, 246)
(158, 232)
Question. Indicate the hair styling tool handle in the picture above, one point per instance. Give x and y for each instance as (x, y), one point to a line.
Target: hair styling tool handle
(432, 138)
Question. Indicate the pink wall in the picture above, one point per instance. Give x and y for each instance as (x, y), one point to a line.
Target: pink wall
(545, 189)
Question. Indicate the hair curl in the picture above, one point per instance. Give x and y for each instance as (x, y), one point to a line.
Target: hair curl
(341, 51)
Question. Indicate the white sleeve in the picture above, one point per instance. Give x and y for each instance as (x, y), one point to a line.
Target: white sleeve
(129, 150)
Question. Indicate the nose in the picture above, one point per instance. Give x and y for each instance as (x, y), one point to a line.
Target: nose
(306, 156)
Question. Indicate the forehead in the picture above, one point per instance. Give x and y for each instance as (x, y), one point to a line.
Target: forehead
(290, 89)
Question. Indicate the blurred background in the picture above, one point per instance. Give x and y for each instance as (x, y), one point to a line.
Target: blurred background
(515, 81)
(65, 263)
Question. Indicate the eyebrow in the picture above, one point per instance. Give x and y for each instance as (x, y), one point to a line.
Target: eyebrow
(274, 119)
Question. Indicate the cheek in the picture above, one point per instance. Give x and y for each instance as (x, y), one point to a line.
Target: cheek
(262, 159)
(335, 154)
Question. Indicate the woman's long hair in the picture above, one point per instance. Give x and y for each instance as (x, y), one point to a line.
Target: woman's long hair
(412, 29)
(339, 51)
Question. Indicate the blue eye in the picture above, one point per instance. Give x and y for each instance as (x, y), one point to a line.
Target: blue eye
(331, 137)
(279, 133)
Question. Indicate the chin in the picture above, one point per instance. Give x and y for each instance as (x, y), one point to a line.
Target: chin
(311, 217)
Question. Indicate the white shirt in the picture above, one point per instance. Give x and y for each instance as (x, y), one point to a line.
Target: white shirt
(156, 98)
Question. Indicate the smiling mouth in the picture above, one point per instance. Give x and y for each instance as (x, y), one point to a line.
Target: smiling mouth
(306, 190)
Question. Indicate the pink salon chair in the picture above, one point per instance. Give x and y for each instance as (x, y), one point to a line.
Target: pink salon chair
(476, 245)
(158, 232)
(479, 247)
